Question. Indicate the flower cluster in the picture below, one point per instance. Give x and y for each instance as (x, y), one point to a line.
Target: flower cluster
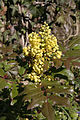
(43, 46)
(26, 50)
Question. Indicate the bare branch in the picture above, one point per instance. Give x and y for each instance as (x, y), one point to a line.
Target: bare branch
(22, 40)
(77, 30)
(40, 3)
(20, 9)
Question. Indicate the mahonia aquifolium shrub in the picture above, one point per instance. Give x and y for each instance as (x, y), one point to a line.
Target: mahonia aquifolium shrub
(43, 46)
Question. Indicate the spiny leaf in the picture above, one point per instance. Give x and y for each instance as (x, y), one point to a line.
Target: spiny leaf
(12, 62)
(2, 73)
(68, 61)
(3, 118)
(76, 63)
(48, 111)
(45, 65)
(36, 101)
(1, 65)
(59, 89)
(7, 67)
(74, 41)
(76, 46)
(3, 83)
(21, 70)
(67, 73)
(14, 36)
(14, 90)
(72, 53)
(60, 19)
(49, 83)
(6, 49)
(60, 100)
(14, 93)
(13, 55)
(29, 88)
(14, 1)
(3, 59)
(57, 63)
(33, 94)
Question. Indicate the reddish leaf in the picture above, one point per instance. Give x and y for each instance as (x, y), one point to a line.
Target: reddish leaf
(48, 111)
(36, 101)
(60, 100)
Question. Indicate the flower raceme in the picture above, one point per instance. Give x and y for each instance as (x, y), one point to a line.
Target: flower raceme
(43, 46)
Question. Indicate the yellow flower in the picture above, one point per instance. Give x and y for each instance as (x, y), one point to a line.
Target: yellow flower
(25, 51)
(27, 119)
(49, 87)
(43, 46)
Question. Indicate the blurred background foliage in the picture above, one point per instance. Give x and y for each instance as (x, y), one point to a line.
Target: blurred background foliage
(18, 18)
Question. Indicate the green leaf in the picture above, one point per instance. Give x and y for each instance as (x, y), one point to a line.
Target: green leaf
(12, 62)
(3, 118)
(21, 70)
(48, 111)
(1, 65)
(67, 73)
(14, 93)
(14, 36)
(60, 19)
(75, 41)
(13, 55)
(14, 1)
(36, 11)
(14, 90)
(8, 67)
(2, 73)
(72, 53)
(74, 114)
(3, 83)
(76, 46)
(7, 32)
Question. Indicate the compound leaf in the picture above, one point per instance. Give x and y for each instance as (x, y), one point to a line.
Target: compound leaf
(36, 101)
(60, 100)
(48, 111)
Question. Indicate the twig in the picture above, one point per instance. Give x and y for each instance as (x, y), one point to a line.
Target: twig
(22, 37)
(20, 9)
(27, 25)
(69, 118)
(2, 3)
(40, 3)
(22, 40)
(27, 40)
(77, 30)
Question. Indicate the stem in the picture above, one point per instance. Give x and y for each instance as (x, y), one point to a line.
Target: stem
(77, 30)
(22, 40)
(27, 40)
(22, 37)
(69, 118)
